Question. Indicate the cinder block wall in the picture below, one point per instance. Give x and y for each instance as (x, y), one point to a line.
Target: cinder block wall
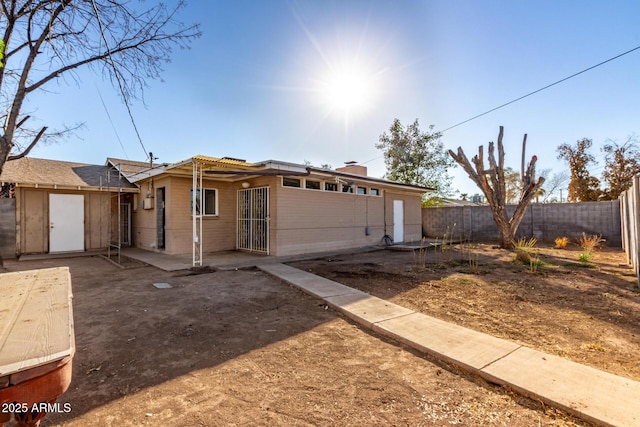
(543, 221)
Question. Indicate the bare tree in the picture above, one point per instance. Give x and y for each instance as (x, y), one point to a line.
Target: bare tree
(44, 40)
(552, 185)
(492, 182)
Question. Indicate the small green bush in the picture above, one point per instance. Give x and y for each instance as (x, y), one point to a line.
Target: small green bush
(584, 257)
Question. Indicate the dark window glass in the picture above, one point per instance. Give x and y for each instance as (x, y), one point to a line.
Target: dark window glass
(291, 182)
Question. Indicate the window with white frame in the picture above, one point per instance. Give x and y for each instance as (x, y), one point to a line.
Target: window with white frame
(330, 186)
(312, 185)
(375, 192)
(362, 190)
(207, 205)
(291, 182)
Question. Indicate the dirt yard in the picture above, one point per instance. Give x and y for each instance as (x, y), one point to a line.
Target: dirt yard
(586, 312)
(240, 348)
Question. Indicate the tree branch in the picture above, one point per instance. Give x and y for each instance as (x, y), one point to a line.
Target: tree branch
(28, 149)
(21, 91)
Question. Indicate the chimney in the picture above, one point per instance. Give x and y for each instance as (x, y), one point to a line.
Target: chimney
(354, 168)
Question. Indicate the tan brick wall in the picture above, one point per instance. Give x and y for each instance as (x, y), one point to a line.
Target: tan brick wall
(302, 220)
(144, 234)
(219, 232)
(308, 221)
(412, 215)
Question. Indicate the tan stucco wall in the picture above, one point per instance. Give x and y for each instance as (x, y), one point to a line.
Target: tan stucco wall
(32, 219)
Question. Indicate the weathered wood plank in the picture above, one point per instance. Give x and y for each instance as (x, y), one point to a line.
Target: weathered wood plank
(36, 320)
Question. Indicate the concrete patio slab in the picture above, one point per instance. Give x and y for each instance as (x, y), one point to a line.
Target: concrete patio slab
(365, 308)
(588, 393)
(310, 283)
(225, 260)
(184, 261)
(452, 343)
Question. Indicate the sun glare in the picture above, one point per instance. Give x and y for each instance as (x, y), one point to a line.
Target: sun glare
(348, 90)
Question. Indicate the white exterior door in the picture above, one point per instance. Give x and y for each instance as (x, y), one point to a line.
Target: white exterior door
(66, 222)
(398, 221)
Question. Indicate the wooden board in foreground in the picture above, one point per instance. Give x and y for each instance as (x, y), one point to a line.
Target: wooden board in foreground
(36, 318)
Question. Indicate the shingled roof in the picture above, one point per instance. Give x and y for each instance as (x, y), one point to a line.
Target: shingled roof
(43, 172)
(127, 167)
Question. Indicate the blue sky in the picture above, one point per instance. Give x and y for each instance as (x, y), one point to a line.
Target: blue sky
(255, 85)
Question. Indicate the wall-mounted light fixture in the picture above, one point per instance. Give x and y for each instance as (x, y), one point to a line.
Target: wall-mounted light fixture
(245, 185)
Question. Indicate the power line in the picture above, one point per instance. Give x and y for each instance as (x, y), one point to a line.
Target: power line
(543, 88)
(529, 94)
(106, 110)
(115, 72)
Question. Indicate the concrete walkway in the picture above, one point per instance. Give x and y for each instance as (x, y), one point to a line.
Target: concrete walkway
(585, 392)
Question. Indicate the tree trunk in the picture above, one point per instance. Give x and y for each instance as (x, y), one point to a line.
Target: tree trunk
(505, 237)
(505, 233)
(492, 183)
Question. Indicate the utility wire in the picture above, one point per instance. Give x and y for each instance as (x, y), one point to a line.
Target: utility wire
(115, 71)
(529, 94)
(106, 110)
(543, 88)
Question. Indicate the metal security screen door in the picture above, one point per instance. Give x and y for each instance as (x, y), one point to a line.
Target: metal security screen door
(253, 220)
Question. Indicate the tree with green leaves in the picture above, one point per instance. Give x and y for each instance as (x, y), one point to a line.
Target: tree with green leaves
(621, 164)
(583, 187)
(44, 40)
(415, 157)
(493, 183)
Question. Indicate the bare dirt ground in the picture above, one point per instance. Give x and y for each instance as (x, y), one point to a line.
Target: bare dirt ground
(587, 313)
(240, 348)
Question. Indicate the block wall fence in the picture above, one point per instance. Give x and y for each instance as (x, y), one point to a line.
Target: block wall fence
(544, 221)
(629, 205)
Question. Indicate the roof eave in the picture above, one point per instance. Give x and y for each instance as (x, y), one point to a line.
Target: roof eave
(373, 179)
(75, 187)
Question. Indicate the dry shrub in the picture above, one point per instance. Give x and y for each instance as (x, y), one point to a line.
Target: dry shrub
(561, 242)
(524, 249)
(590, 242)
